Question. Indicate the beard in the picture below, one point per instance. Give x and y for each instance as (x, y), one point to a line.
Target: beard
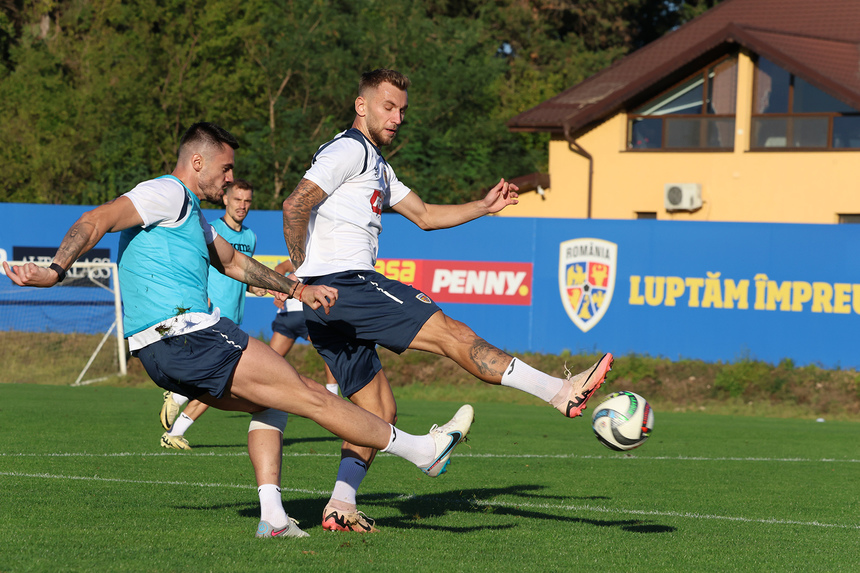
(212, 192)
(379, 136)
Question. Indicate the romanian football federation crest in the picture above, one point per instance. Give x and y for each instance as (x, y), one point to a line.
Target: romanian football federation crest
(586, 279)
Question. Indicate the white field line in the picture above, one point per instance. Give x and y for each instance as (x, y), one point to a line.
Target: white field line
(483, 503)
(618, 457)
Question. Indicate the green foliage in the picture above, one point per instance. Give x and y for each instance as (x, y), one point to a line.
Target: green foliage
(637, 368)
(745, 375)
(96, 94)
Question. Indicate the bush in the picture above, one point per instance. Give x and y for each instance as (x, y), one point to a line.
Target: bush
(745, 387)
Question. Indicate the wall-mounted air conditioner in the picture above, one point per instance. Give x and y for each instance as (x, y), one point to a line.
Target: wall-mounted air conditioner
(682, 196)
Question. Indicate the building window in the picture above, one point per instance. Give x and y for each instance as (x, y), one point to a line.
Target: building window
(849, 218)
(699, 113)
(646, 214)
(791, 113)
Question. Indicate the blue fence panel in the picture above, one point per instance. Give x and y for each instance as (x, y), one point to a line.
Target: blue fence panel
(714, 291)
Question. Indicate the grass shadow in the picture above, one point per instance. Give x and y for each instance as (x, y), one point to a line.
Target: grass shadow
(415, 510)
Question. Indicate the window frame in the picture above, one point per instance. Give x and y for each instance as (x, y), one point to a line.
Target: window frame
(791, 115)
(704, 116)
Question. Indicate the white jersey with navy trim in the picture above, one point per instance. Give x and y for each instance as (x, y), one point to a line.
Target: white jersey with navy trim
(343, 230)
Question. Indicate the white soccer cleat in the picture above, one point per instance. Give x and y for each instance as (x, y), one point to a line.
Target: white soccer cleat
(169, 410)
(447, 437)
(174, 442)
(291, 529)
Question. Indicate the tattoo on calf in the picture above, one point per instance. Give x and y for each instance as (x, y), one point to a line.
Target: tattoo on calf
(489, 360)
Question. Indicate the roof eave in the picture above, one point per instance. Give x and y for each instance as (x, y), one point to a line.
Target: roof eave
(729, 34)
(616, 101)
(810, 74)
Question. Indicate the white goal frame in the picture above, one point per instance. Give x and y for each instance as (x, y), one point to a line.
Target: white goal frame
(84, 270)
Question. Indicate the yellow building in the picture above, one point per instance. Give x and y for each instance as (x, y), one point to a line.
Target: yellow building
(748, 113)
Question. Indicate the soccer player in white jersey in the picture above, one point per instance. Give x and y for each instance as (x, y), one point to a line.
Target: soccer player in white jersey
(225, 293)
(189, 350)
(332, 222)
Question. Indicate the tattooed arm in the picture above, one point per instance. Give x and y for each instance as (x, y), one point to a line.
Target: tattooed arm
(111, 217)
(297, 213)
(244, 269)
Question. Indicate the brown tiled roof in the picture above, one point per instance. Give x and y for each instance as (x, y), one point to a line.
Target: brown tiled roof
(818, 40)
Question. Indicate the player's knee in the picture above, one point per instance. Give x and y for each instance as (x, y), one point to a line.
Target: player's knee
(269, 419)
(389, 414)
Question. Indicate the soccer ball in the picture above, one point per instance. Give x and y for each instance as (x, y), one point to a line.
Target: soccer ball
(623, 421)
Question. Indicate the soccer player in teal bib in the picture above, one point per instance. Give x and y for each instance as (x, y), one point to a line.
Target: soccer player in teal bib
(332, 222)
(225, 293)
(165, 251)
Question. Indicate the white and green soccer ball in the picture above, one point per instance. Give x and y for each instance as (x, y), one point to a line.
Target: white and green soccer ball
(623, 421)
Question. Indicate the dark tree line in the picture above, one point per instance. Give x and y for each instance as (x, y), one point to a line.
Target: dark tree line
(94, 95)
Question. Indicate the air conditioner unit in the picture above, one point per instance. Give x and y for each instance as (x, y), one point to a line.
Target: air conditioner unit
(682, 196)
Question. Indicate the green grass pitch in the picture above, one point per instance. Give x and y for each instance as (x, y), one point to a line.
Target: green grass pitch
(84, 486)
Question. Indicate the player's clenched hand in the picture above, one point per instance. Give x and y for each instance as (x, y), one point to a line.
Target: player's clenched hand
(318, 296)
(258, 291)
(31, 275)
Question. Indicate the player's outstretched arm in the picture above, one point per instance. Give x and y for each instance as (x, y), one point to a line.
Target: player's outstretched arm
(285, 267)
(113, 216)
(244, 269)
(430, 217)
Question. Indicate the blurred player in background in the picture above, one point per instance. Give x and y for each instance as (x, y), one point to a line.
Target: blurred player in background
(332, 222)
(225, 293)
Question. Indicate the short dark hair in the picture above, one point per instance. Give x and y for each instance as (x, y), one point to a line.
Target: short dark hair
(239, 184)
(373, 79)
(209, 133)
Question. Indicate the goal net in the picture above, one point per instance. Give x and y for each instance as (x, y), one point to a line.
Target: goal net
(68, 334)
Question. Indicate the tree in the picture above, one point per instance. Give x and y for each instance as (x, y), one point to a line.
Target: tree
(97, 93)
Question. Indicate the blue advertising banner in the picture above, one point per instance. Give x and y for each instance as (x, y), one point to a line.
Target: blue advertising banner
(713, 291)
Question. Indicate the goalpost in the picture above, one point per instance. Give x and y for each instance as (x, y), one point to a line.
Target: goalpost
(64, 333)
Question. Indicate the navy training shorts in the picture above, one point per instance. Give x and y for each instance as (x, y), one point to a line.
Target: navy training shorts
(291, 324)
(370, 309)
(195, 363)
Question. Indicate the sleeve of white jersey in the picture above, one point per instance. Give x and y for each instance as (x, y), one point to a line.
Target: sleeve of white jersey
(209, 232)
(337, 163)
(398, 190)
(157, 202)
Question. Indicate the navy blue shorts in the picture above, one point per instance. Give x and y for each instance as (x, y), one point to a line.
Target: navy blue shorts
(196, 363)
(291, 324)
(370, 310)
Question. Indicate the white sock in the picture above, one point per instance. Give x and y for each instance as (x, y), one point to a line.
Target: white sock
(420, 450)
(523, 377)
(181, 425)
(179, 398)
(349, 476)
(271, 506)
